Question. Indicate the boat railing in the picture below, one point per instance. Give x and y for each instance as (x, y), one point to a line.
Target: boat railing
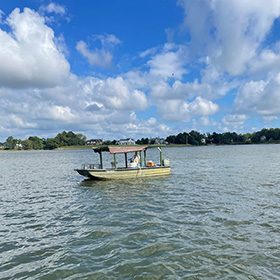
(90, 166)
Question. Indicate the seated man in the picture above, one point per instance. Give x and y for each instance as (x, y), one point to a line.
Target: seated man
(135, 161)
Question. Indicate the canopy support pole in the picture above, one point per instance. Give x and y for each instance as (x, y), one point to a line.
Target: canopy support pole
(160, 156)
(145, 157)
(125, 155)
(101, 161)
(115, 161)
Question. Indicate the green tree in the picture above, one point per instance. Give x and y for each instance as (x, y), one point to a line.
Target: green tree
(195, 138)
(82, 139)
(70, 139)
(37, 143)
(181, 138)
(50, 144)
(171, 139)
(217, 138)
(11, 143)
(27, 144)
(142, 141)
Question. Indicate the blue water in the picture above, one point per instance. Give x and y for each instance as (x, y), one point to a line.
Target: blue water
(217, 216)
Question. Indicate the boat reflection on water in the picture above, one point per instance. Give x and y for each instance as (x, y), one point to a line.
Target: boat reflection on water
(141, 181)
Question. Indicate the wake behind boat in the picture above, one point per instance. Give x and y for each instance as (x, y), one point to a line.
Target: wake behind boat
(135, 167)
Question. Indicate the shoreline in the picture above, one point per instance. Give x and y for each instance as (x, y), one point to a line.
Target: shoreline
(165, 146)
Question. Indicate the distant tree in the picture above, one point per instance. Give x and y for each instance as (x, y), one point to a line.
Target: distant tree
(27, 144)
(108, 142)
(226, 138)
(256, 137)
(171, 139)
(82, 139)
(277, 134)
(11, 143)
(272, 134)
(181, 138)
(70, 139)
(217, 138)
(37, 143)
(246, 138)
(142, 141)
(195, 138)
(50, 144)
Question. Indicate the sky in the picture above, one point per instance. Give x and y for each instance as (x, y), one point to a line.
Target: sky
(143, 68)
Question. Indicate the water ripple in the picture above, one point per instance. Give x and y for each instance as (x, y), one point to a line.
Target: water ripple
(216, 217)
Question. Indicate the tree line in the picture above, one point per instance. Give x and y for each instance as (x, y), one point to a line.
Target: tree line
(195, 138)
(35, 143)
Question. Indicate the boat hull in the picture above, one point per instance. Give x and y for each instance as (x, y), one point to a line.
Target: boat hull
(124, 173)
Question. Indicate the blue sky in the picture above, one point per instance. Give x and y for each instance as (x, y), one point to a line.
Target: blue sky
(113, 69)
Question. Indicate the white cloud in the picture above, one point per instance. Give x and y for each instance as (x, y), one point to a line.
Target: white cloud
(201, 106)
(230, 32)
(1, 16)
(60, 113)
(29, 56)
(164, 128)
(179, 90)
(108, 40)
(234, 120)
(53, 8)
(94, 106)
(269, 119)
(151, 51)
(204, 120)
(137, 79)
(52, 12)
(182, 111)
(213, 85)
(114, 94)
(100, 57)
(61, 45)
(259, 97)
(267, 61)
(17, 122)
(170, 62)
(152, 121)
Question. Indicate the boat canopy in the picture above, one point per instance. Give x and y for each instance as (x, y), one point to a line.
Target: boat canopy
(120, 150)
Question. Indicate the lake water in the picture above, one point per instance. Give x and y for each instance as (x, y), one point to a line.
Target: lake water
(217, 216)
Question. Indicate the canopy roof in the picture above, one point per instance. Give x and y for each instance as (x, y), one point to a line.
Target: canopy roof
(120, 150)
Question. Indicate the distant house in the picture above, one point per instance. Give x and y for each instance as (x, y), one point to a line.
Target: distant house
(157, 141)
(203, 141)
(18, 145)
(93, 142)
(127, 141)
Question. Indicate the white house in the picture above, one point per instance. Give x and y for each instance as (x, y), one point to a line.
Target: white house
(93, 142)
(157, 141)
(127, 141)
(203, 141)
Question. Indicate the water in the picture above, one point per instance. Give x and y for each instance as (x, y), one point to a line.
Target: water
(217, 216)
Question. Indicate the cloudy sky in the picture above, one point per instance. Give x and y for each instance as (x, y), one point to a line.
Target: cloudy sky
(113, 69)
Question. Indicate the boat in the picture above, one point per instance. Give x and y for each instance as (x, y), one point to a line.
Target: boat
(135, 167)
